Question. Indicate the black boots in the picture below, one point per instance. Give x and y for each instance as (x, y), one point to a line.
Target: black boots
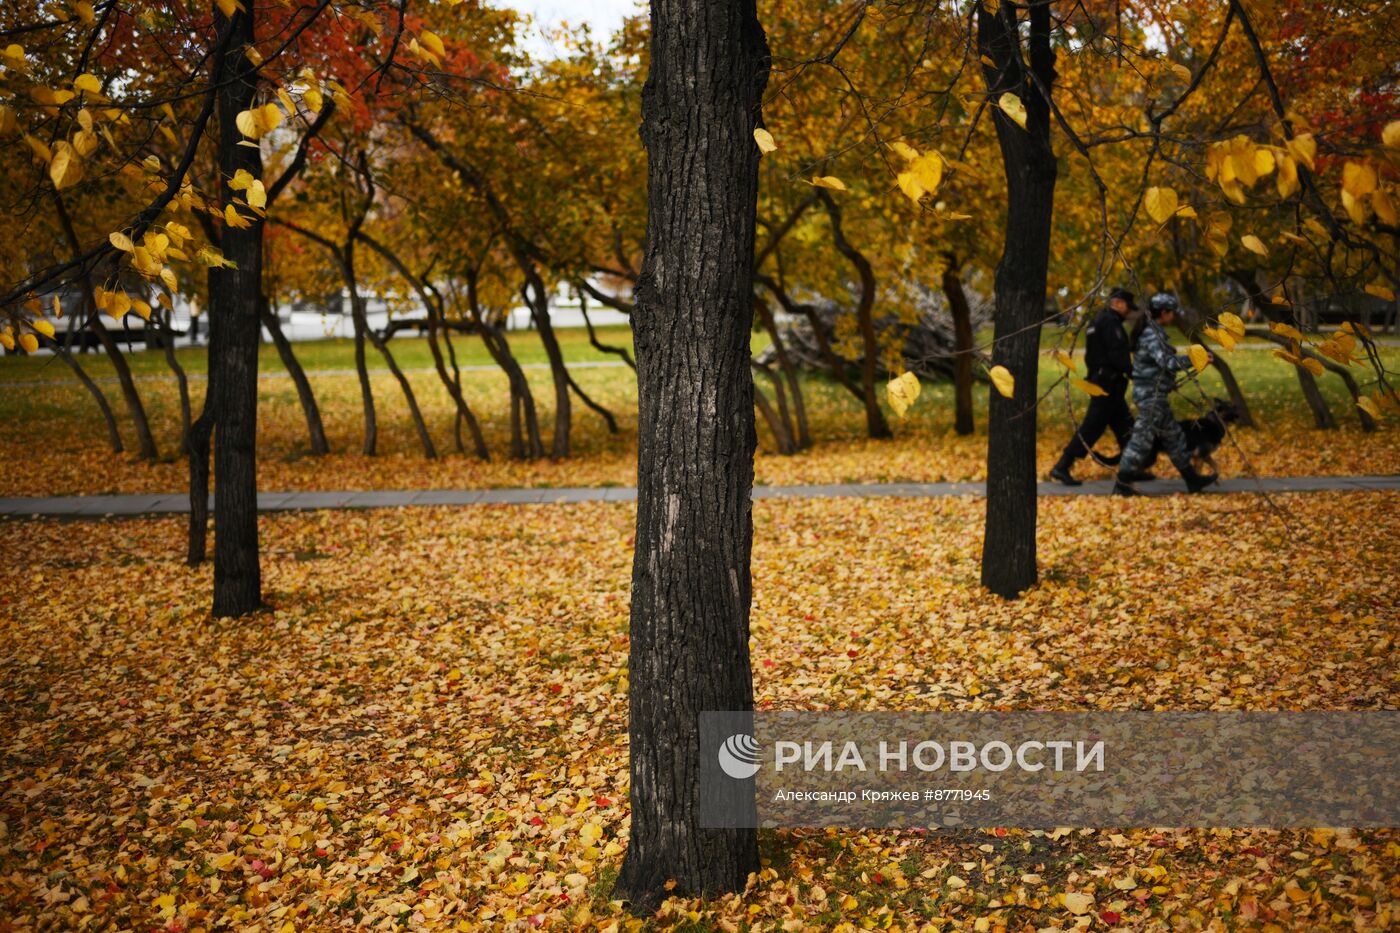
(1122, 487)
(1061, 474)
(1195, 482)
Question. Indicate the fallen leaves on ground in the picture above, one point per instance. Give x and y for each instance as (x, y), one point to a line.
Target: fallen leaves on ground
(427, 729)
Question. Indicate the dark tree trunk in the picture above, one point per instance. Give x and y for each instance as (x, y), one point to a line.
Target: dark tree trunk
(167, 333)
(875, 424)
(145, 440)
(803, 440)
(539, 313)
(114, 436)
(315, 430)
(1322, 414)
(1189, 323)
(691, 585)
(1008, 548)
(233, 355)
(962, 348)
(593, 336)
(776, 419)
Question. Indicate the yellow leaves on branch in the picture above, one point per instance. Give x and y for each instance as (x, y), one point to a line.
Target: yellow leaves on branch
(1200, 357)
(1254, 244)
(1002, 379)
(765, 140)
(259, 121)
(925, 172)
(65, 168)
(1230, 331)
(1011, 105)
(829, 181)
(1358, 181)
(902, 391)
(1160, 203)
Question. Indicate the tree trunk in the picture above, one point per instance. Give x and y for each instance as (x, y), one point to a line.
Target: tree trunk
(962, 348)
(145, 441)
(593, 336)
(1008, 548)
(315, 431)
(875, 424)
(167, 333)
(114, 436)
(777, 423)
(1189, 323)
(803, 440)
(691, 585)
(539, 313)
(233, 356)
(1322, 414)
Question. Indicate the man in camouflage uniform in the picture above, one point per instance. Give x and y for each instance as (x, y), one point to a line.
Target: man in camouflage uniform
(1155, 366)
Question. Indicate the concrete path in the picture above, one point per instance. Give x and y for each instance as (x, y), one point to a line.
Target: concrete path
(178, 503)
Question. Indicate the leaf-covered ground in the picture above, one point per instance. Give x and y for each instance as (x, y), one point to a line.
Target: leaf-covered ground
(54, 431)
(427, 730)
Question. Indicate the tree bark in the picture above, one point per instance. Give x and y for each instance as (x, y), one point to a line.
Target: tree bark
(962, 348)
(233, 353)
(691, 585)
(1008, 549)
(114, 436)
(315, 430)
(875, 424)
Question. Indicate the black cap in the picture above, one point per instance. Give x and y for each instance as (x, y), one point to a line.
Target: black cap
(1125, 295)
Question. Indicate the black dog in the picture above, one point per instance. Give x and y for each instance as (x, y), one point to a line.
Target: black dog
(1204, 436)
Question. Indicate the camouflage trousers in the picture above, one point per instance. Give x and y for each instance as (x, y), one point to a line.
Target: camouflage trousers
(1154, 423)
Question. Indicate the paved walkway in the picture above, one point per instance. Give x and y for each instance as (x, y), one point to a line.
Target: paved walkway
(176, 503)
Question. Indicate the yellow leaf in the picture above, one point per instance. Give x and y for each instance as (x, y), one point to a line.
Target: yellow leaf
(1200, 357)
(1064, 359)
(1380, 291)
(311, 97)
(1384, 207)
(1366, 403)
(902, 391)
(829, 181)
(433, 43)
(1254, 244)
(908, 152)
(43, 327)
(1263, 162)
(29, 342)
(228, 7)
(1358, 179)
(1003, 380)
(1287, 176)
(764, 139)
(256, 195)
(85, 12)
(1303, 148)
(1233, 323)
(1390, 135)
(1087, 387)
(121, 241)
(247, 123)
(909, 184)
(87, 83)
(7, 340)
(241, 180)
(1161, 204)
(1285, 330)
(66, 169)
(1313, 366)
(1011, 105)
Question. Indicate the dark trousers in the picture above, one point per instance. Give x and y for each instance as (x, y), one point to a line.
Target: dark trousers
(1105, 412)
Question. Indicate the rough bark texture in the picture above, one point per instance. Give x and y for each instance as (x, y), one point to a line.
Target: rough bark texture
(691, 587)
(233, 352)
(1008, 548)
(961, 311)
(315, 430)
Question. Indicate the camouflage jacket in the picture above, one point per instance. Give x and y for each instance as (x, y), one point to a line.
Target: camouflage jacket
(1156, 362)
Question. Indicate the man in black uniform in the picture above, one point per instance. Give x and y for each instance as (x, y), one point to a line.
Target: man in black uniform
(1108, 354)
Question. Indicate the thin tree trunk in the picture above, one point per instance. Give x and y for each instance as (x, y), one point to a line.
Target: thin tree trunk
(803, 440)
(602, 412)
(1009, 549)
(593, 337)
(168, 344)
(233, 356)
(1189, 323)
(539, 313)
(962, 348)
(691, 585)
(875, 424)
(114, 437)
(776, 419)
(315, 430)
(145, 440)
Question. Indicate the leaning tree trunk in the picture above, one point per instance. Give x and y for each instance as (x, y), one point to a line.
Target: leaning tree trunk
(1008, 548)
(875, 424)
(803, 440)
(315, 430)
(145, 440)
(962, 348)
(233, 354)
(114, 436)
(691, 585)
(167, 333)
